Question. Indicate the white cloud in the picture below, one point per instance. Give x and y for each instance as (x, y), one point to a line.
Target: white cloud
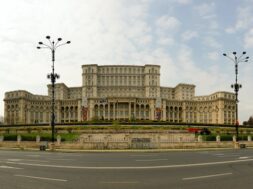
(184, 2)
(166, 41)
(166, 27)
(213, 55)
(113, 32)
(212, 42)
(246, 79)
(213, 25)
(243, 21)
(248, 39)
(244, 18)
(205, 9)
(191, 73)
(168, 23)
(230, 30)
(188, 35)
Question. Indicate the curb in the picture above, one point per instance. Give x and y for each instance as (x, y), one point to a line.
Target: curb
(118, 151)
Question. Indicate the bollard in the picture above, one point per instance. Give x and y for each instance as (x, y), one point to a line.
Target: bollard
(58, 140)
(218, 138)
(19, 139)
(249, 138)
(200, 138)
(234, 138)
(37, 138)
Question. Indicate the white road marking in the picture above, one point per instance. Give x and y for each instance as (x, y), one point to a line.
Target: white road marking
(243, 157)
(204, 152)
(135, 167)
(13, 159)
(35, 160)
(120, 182)
(143, 155)
(151, 159)
(62, 159)
(41, 178)
(228, 156)
(8, 167)
(207, 176)
(33, 155)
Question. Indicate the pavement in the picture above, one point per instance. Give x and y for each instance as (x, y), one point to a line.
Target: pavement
(67, 150)
(230, 168)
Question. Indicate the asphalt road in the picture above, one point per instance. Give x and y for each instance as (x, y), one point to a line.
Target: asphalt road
(193, 170)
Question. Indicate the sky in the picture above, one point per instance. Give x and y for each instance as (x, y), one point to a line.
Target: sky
(185, 37)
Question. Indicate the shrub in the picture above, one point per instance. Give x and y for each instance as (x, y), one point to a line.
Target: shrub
(43, 137)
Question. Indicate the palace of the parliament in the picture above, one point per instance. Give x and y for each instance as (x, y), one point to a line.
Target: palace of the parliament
(120, 92)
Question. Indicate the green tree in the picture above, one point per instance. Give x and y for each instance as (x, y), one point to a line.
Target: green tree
(250, 121)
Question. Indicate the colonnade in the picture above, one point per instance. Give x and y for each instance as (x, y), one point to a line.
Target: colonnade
(69, 114)
(121, 110)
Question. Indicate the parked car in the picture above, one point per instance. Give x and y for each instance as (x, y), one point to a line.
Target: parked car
(202, 131)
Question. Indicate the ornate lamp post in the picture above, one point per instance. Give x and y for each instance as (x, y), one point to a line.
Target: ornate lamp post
(236, 86)
(52, 46)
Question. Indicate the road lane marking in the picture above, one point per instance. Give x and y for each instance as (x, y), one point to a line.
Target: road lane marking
(243, 157)
(13, 159)
(8, 167)
(35, 160)
(61, 159)
(41, 178)
(207, 176)
(219, 154)
(120, 182)
(151, 160)
(143, 155)
(225, 156)
(33, 155)
(133, 167)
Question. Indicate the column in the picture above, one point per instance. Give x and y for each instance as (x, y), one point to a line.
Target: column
(28, 116)
(69, 113)
(104, 110)
(144, 111)
(98, 111)
(152, 105)
(91, 111)
(113, 110)
(21, 112)
(164, 110)
(63, 112)
(58, 108)
(129, 111)
(173, 115)
(79, 111)
(134, 110)
(109, 112)
(178, 112)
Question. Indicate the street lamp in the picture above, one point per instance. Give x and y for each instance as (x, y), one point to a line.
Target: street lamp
(52, 46)
(236, 86)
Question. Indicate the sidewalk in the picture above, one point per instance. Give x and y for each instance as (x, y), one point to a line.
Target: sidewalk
(123, 147)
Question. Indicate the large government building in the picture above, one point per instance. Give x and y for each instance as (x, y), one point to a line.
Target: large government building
(120, 92)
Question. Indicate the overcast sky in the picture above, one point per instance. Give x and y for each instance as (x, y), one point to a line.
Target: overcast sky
(186, 37)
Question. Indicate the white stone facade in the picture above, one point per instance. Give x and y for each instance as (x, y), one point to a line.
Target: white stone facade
(121, 92)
